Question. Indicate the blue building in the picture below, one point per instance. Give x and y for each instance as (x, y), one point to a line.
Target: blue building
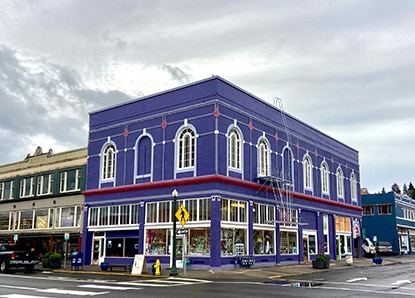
(254, 181)
(390, 217)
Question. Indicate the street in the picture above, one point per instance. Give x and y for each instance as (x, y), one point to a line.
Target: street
(374, 281)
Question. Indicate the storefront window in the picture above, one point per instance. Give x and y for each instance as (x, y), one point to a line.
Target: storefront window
(121, 247)
(288, 242)
(233, 241)
(157, 241)
(345, 244)
(263, 242)
(199, 243)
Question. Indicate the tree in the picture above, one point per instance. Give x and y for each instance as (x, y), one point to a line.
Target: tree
(411, 190)
(405, 188)
(395, 188)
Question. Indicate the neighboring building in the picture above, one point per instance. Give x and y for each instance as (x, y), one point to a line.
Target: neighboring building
(41, 200)
(254, 181)
(390, 217)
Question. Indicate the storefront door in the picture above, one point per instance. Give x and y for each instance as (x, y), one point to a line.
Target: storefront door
(97, 251)
(305, 249)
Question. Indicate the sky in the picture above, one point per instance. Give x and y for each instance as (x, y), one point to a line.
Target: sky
(346, 68)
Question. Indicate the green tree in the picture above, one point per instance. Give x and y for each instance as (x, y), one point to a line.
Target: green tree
(411, 190)
(395, 188)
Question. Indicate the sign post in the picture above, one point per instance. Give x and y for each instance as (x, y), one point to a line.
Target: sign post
(66, 238)
(182, 215)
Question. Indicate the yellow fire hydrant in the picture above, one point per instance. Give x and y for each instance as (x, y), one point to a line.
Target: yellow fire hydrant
(157, 267)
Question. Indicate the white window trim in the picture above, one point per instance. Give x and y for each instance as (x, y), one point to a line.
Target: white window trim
(308, 172)
(263, 156)
(353, 187)
(185, 132)
(23, 184)
(325, 178)
(108, 175)
(234, 157)
(340, 183)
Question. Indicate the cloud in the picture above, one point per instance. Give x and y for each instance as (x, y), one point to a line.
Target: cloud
(44, 104)
(344, 67)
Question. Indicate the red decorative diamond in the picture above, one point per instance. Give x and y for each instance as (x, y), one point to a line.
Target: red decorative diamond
(250, 126)
(216, 112)
(276, 136)
(332, 159)
(316, 153)
(298, 146)
(347, 167)
(164, 124)
(126, 133)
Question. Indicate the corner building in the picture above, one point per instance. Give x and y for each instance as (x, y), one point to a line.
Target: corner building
(254, 180)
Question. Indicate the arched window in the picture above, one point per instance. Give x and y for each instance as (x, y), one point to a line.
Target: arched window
(308, 172)
(144, 156)
(324, 177)
(186, 149)
(108, 162)
(353, 187)
(340, 187)
(263, 158)
(234, 149)
(287, 165)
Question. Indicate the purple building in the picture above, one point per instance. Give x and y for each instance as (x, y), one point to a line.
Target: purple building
(254, 181)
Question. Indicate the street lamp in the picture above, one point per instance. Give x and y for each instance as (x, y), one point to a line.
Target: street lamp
(173, 271)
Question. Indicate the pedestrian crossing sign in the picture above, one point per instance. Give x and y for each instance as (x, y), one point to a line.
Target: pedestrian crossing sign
(182, 215)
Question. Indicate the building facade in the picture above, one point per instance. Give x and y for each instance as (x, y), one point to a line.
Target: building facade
(390, 217)
(254, 181)
(41, 201)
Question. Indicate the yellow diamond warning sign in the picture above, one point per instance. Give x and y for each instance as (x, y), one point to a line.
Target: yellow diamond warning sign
(182, 215)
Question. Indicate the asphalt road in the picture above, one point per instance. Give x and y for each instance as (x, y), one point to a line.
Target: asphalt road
(396, 280)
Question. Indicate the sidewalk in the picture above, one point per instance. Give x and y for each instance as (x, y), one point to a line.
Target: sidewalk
(273, 272)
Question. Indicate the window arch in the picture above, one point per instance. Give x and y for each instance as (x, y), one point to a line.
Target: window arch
(186, 149)
(108, 162)
(308, 172)
(263, 158)
(144, 156)
(324, 177)
(234, 149)
(353, 187)
(287, 166)
(340, 186)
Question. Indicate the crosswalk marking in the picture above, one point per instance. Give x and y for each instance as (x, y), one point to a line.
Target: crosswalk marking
(21, 296)
(71, 292)
(104, 287)
(356, 279)
(169, 282)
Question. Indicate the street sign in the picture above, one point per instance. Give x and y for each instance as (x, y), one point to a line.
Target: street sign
(66, 236)
(182, 231)
(182, 215)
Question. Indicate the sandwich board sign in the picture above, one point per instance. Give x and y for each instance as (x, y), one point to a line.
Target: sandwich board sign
(139, 265)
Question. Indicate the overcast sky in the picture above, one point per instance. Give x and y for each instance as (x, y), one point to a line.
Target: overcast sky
(346, 67)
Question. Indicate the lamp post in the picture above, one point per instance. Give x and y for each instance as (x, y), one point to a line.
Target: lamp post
(173, 271)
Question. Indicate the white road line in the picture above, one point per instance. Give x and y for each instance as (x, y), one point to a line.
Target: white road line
(104, 287)
(401, 282)
(18, 288)
(191, 279)
(356, 279)
(71, 292)
(142, 284)
(21, 296)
